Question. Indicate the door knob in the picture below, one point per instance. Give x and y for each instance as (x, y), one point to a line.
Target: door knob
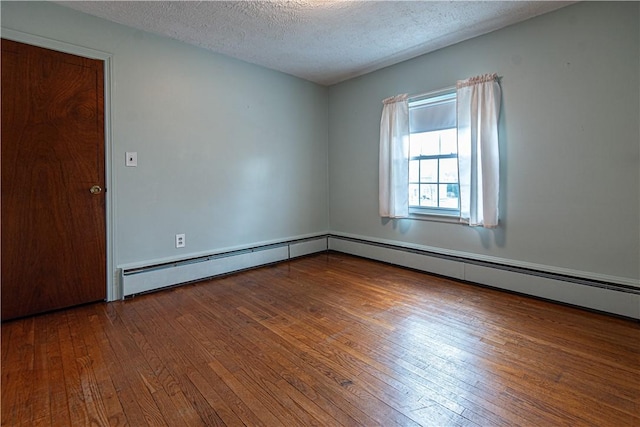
(95, 189)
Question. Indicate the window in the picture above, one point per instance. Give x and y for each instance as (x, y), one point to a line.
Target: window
(445, 178)
(433, 155)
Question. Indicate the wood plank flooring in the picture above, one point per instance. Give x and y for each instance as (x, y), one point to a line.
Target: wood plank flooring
(328, 340)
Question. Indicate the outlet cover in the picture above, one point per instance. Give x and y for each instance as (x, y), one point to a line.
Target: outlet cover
(131, 159)
(180, 241)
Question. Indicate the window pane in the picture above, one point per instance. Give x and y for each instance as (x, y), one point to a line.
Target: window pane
(414, 195)
(424, 144)
(449, 196)
(429, 195)
(414, 171)
(414, 144)
(429, 170)
(430, 143)
(448, 141)
(448, 170)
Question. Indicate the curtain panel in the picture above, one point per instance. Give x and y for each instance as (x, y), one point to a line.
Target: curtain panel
(478, 111)
(394, 158)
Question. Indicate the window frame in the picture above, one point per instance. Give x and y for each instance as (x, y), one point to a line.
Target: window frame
(444, 214)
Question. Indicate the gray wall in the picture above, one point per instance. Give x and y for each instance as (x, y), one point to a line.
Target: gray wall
(229, 153)
(569, 138)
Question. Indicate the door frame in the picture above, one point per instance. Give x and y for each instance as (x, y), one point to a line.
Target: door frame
(114, 291)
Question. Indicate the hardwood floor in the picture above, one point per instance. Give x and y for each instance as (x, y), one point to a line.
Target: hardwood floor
(328, 340)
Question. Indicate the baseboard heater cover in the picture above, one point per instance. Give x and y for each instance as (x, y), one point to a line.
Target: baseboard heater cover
(612, 298)
(157, 276)
(618, 299)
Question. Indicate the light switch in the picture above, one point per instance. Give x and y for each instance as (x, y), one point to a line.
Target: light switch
(132, 159)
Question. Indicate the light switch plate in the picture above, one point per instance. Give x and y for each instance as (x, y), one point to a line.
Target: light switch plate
(131, 159)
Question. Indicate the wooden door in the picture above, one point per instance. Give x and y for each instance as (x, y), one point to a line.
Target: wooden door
(53, 226)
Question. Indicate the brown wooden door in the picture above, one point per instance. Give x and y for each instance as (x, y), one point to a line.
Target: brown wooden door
(53, 227)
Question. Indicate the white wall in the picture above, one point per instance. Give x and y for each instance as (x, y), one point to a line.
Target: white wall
(569, 144)
(229, 153)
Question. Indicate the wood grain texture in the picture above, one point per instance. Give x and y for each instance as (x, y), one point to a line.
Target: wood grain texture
(327, 340)
(53, 228)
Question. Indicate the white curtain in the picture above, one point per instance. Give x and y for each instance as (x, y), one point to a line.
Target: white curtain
(478, 161)
(394, 158)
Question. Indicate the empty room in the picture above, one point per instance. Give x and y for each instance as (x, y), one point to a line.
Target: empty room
(330, 213)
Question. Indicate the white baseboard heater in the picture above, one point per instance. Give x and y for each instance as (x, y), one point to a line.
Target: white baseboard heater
(609, 297)
(152, 277)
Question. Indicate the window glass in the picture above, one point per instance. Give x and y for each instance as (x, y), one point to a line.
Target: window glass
(429, 170)
(448, 170)
(433, 164)
(448, 141)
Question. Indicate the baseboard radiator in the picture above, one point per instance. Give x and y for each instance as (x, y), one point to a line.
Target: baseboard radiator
(614, 298)
(157, 276)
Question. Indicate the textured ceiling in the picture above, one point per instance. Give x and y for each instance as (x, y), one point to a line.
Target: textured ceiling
(322, 41)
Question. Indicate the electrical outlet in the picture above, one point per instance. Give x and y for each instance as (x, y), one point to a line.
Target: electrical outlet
(180, 241)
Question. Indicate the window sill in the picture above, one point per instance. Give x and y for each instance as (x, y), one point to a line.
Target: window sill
(451, 218)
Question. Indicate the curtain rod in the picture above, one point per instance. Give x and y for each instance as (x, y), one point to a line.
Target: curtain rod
(439, 91)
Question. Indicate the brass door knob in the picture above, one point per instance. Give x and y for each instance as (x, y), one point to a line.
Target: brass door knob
(95, 189)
